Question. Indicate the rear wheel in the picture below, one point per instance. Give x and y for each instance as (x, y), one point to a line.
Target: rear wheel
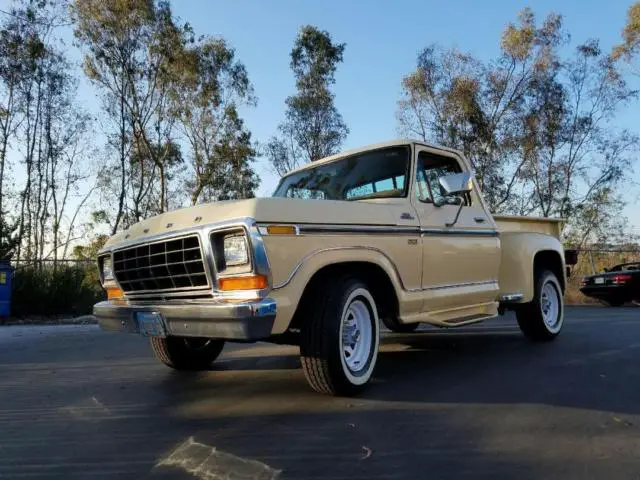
(339, 342)
(187, 353)
(542, 319)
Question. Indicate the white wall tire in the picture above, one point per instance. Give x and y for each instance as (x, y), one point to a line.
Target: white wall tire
(543, 318)
(340, 338)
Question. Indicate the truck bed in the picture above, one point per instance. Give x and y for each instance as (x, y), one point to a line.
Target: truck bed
(547, 226)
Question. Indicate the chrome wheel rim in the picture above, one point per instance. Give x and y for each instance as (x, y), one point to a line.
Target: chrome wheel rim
(357, 336)
(550, 306)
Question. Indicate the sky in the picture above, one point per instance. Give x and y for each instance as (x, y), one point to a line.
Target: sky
(382, 40)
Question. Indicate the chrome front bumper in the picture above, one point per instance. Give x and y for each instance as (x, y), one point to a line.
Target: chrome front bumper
(245, 321)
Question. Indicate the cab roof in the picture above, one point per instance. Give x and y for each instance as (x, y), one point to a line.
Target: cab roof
(365, 148)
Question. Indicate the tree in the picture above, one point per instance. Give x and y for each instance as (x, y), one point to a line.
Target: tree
(313, 127)
(629, 49)
(133, 53)
(456, 100)
(535, 126)
(42, 128)
(206, 98)
(8, 239)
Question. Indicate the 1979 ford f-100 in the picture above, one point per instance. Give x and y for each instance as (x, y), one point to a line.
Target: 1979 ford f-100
(396, 233)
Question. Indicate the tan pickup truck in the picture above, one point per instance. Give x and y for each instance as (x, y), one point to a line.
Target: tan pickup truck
(395, 233)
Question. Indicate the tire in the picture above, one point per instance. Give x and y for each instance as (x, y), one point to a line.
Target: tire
(395, 326)
(330, 365)
(543, 324)
(187, 353)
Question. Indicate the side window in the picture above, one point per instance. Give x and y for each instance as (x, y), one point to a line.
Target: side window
(430, 168)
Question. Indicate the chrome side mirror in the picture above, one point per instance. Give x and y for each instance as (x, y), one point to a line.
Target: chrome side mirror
(457, 183)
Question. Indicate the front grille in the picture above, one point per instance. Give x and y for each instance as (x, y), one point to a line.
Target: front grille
(169, 265)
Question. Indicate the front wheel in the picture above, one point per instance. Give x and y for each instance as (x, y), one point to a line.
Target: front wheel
(542, 319)
(339, 342)
(187, 353)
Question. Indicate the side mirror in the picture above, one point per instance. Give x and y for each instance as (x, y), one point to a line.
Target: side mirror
(457, 183)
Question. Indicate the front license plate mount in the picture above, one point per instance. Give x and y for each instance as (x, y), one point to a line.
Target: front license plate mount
(150, 324)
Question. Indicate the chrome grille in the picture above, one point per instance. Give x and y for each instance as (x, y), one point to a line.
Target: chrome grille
(169, 265)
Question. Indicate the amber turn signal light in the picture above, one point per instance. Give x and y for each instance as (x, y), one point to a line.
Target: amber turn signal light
(281, 230)
(253, 282)
(114, 293)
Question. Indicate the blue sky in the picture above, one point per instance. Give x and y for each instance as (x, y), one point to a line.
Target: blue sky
(383, 40)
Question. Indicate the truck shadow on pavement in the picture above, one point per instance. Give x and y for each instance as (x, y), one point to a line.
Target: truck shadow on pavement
(479, 366)
(467, 404)
(479, 402)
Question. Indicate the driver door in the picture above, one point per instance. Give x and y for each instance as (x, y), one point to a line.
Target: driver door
(461, 261)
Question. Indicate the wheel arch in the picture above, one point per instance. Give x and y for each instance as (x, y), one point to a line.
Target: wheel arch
(550, 260)
(372, 267)
(371, 274)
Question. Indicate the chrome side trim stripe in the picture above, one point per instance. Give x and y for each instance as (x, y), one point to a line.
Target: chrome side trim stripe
(461, 285)
(460, 232)
(307, 229)
(380, 229)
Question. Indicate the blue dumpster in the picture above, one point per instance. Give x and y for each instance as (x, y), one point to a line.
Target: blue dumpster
(6, 272)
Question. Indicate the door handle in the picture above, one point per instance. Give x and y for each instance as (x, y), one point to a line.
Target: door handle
(407, 216)
(479, 219)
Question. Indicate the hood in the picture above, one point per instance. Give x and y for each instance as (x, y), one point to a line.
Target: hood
(276, 210)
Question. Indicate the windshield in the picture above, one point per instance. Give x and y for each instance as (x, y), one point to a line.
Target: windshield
(370, 174)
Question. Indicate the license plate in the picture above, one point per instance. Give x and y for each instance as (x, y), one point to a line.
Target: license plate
(150, 324)
(599, 281)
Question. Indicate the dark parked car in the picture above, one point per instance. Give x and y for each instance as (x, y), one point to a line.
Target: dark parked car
(615, 286)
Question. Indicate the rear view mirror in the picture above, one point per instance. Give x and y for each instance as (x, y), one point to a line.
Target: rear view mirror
(457, 184)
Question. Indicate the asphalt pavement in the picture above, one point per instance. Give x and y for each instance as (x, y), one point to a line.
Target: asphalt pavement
(479, 402)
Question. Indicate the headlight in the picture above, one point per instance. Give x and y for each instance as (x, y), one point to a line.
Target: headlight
(235, 250)
(107, 270)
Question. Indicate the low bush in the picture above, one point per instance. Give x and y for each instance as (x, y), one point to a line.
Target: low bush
(64, 290)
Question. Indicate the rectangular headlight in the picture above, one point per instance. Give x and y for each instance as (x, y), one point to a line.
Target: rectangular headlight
(107, 269)
(235, 250)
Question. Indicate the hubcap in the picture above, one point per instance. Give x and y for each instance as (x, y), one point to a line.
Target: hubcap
(356, 336)
(550, 305)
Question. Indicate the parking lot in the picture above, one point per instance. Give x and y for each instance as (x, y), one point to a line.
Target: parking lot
(479, 402)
